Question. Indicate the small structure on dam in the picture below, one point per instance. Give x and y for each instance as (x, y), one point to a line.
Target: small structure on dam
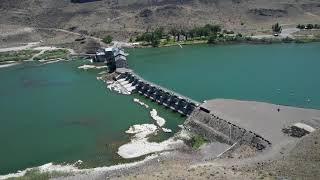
(114, 58)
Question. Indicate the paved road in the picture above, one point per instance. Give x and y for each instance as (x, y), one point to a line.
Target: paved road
(286, 32)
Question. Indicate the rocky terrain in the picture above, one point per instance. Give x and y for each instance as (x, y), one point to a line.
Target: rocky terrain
(295, 161)
(292, 162)
(35, 20)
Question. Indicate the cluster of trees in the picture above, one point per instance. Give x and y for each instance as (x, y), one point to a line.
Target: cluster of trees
(308, 26)
(108, 39)
(153, 37)
(223, 37)
(206, 32)
(277, 28)
(197, 32)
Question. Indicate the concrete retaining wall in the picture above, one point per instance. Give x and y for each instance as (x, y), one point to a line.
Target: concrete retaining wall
(215, 128)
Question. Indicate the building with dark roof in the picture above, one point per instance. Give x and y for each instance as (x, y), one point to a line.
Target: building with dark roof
(114, 58)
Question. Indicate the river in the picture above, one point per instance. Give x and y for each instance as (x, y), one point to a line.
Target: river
(279, 73)
(58, 113)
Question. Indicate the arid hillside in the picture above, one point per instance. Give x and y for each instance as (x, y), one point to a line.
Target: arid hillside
(122, 18)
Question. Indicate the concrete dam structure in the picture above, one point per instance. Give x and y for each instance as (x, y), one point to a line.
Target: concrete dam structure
(170, 99)
(201, 121)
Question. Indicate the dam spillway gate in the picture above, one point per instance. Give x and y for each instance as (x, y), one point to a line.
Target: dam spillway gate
(168, 98)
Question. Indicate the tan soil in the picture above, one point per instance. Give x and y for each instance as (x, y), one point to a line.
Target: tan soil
(20, 20)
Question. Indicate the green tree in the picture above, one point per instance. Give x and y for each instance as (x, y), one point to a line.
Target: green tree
(155, 40)
(239, 35)
(277, 28)
(167, 38)
(212, 38)
(199, 32)
(178, 36)
(212, 28)
(108, 39)
(184, 33)
(159, 32)
(309, 26)
(147, 37)
(174, 32)
(301, 26)
(191, 33)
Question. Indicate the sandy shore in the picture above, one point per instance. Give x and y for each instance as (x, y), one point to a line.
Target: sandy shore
(8, 65)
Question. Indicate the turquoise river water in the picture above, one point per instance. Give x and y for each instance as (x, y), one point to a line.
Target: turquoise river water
(58, 113)
(285, 74)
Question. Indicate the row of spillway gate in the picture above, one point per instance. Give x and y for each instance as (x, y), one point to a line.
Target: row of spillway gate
(158, 94)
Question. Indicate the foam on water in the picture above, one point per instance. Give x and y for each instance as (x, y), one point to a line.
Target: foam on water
(140, 102)
(160, 121)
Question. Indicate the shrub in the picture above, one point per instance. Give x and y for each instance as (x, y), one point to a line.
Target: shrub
(212, 38)
(276, 28)
(155, 41)
(228, 32)
(300, 26)
(196, 141)
(108, 39)
(309, 26)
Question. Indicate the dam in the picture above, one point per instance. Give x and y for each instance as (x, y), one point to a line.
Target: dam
(132, 82)
(200, 119)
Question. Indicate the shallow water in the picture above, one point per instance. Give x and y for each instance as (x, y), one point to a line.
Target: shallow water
(56, 112)
(278, 73)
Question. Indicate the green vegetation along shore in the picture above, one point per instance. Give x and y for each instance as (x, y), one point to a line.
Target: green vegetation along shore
(213, 34)
(53, 54)
(23, 55)
(37, 174)
(17, 55)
